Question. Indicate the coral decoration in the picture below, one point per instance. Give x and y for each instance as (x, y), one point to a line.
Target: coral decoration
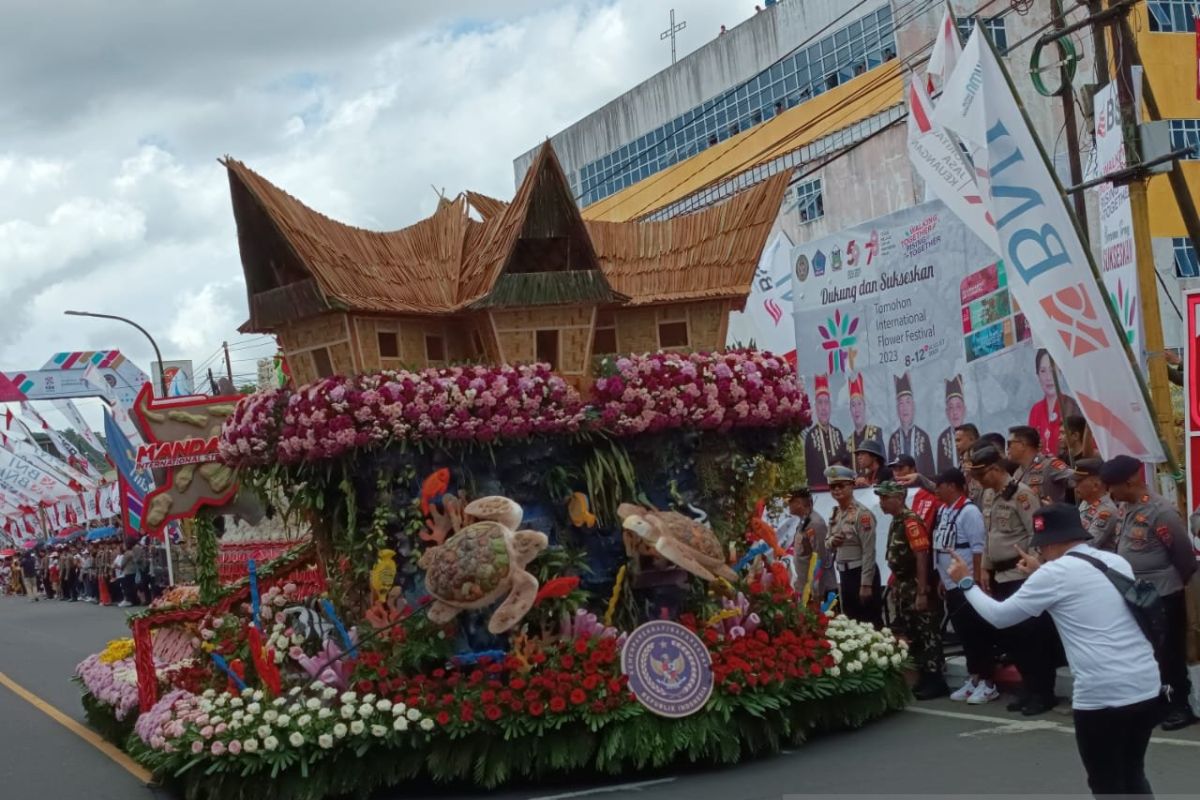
(762, 531)
(556, 589)
(611, 610)
(432, 489)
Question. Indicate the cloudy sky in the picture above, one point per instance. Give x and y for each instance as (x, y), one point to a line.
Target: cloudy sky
(114, 115)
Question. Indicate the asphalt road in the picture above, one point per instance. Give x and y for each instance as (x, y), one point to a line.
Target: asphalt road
(938, 748)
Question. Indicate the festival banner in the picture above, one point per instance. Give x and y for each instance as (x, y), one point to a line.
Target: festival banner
(766, 320)
(68, 452)
(69, 410)
(906, 329)
(24, 477)
(1118, 256)
(178, 375)
(28, 449)
(135, 483)
(1048, 268)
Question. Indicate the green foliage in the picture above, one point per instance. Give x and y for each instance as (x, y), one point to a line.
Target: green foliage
(610, 478)
(729, 730)
(101, 718)
(207, 577)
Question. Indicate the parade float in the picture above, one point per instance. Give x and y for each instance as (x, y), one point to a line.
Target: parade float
(529, 555)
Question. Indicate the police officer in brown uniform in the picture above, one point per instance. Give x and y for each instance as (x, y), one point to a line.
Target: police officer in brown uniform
(1154, 540)
(1008, 518)
(1097, 511)
(1049, 477)
(852, 537)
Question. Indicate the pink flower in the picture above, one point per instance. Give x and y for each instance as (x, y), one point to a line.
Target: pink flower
(218, 748)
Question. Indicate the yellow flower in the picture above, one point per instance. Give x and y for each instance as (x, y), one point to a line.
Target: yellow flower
(117, 650)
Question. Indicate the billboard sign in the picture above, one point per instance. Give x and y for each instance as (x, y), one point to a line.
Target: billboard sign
(179, 377)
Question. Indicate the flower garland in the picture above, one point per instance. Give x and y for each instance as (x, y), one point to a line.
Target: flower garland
(637, 394)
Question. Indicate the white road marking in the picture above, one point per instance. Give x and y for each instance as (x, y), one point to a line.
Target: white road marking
(1015, 726)
(623, 787)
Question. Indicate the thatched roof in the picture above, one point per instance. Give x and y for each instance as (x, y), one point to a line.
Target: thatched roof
(535, 250)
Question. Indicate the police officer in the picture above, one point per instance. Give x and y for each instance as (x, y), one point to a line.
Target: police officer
(1008, 519)
(912, 598)
(852, 538)
(1097, 511)
(1049, 477)
(1154, 540)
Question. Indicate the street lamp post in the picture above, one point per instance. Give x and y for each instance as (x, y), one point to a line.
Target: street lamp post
(162, 375)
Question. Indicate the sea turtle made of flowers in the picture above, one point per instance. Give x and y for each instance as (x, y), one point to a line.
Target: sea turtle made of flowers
(679, 539)
(484, 562)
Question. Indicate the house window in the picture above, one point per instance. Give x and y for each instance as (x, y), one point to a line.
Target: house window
(435, 348)
(1186, 265)
(1185, 133)
(810, 201)
(604, 338)
(322, 362)
(673, 333)
(389, 344)
(547, 347)
(993, 28)
(1172, 16)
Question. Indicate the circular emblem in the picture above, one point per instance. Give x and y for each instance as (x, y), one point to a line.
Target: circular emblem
(802, 267)
(669, 668)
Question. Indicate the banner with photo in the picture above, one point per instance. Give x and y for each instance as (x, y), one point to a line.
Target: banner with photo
(905, 329)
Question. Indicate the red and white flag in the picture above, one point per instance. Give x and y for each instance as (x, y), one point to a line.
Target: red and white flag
(947, 49)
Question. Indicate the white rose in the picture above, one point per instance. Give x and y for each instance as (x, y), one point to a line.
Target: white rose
(209, 694)
(378, 730)
(427, 724)
(250, 745)
(221, 701)
(254, 709)
(384, 704)
(279, 657)
(325, 741)
(238, 714)
(349, 697)
(398, 709)
(296, 739)
(297, 639)
(401, 724)
(357, 727)
(294, 709)
(278, 702)
(347, 712)
(881, 662)
(835, 671)
(368, 698)
(263, 731)
(271, 743)
(206, 705)
(413, 714)
(365, 710)
(324, 713)
(897, 660)
(304, 720)
(257, 696)
(339, 730)
(312, 704)
(236, 702)
(328, 693)
(284, 720)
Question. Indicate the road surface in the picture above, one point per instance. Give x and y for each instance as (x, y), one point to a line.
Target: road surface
(933, 748)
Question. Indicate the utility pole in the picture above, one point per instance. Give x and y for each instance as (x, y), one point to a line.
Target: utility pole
(1067, 93)
(228, 363)
(1156, 365)
(671, 31)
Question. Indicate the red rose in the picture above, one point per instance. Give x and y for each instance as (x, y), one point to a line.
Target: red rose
(558, 705)
(516, 705)
(439, 673)
(578, 696)
(591, 682)
(365, 686)
(442, 718)
(517, 683)
(614, 685)
(487, 696)
(536, 708)
(710, 636)
(492, 712)
(815, 669)
(568, 662)
(581, 646)
(466, 713)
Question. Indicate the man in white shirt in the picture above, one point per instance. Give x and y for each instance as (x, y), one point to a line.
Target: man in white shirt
(959, 529)
(1117, 688)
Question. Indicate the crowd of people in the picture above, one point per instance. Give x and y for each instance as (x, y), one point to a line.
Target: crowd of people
(124, 573)
(977, 550)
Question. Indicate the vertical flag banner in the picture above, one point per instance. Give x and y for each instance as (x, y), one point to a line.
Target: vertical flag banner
(1048, 268)
(767, 317)
(135, 483)
(69, 452)
(69, 410)
(947, 50)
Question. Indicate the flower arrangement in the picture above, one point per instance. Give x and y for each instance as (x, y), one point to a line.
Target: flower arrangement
(702, 391)
(111, 683)
(637, 394)
(335, 415)
(117, 650)
(248, 726)
(857, 647)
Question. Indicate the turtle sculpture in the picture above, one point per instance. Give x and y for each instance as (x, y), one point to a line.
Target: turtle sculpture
(679, 539)
(483, 562)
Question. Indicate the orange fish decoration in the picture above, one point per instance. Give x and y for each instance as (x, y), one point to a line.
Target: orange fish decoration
(432, 489)
(761, 531)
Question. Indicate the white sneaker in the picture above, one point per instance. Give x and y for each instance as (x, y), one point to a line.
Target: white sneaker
(983, 694)
(960, 694)
(124, 604)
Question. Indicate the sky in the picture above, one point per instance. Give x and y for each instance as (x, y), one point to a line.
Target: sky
(111, 197)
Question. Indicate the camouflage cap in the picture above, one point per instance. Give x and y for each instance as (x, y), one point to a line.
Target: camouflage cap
(891, 488)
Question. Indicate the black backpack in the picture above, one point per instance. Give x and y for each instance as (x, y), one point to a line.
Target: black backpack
(1140, 597)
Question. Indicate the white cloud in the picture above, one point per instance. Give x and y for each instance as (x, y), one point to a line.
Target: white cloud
(111, 198)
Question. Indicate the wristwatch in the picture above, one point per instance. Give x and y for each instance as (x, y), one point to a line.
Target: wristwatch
(966, 583)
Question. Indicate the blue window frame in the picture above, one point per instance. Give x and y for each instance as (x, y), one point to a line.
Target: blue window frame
(1185, 133)
(1186, 264)
(1172, 16)
(993, 28)
(810, 202)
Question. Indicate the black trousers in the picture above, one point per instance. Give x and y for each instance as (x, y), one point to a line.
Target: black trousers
(976, 635)
(1112, 743)
(1172, 656)
(855, 609)
(1033, 644)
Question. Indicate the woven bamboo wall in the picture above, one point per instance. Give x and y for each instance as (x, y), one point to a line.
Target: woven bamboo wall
(516, 331)
(410, 338)
(329, 331)
(637, 328)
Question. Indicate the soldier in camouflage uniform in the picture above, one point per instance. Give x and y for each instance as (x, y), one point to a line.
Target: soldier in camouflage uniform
(1049, 477)
(1097, 511)
(913, 600)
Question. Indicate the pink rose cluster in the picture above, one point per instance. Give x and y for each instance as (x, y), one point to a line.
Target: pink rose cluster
(113, 684)
(333, 416)
(702, 391)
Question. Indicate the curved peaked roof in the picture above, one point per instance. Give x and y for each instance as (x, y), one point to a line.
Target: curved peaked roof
(298, 262)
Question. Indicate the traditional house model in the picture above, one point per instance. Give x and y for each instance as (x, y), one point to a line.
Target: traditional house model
(527, 280)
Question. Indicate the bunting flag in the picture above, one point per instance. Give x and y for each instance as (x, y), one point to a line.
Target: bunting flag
(26, 478)
(1050, 274)
(135, 483)
(68, 452)
(93, 377)
(947, 49)
(30, 451)
(69, 410)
